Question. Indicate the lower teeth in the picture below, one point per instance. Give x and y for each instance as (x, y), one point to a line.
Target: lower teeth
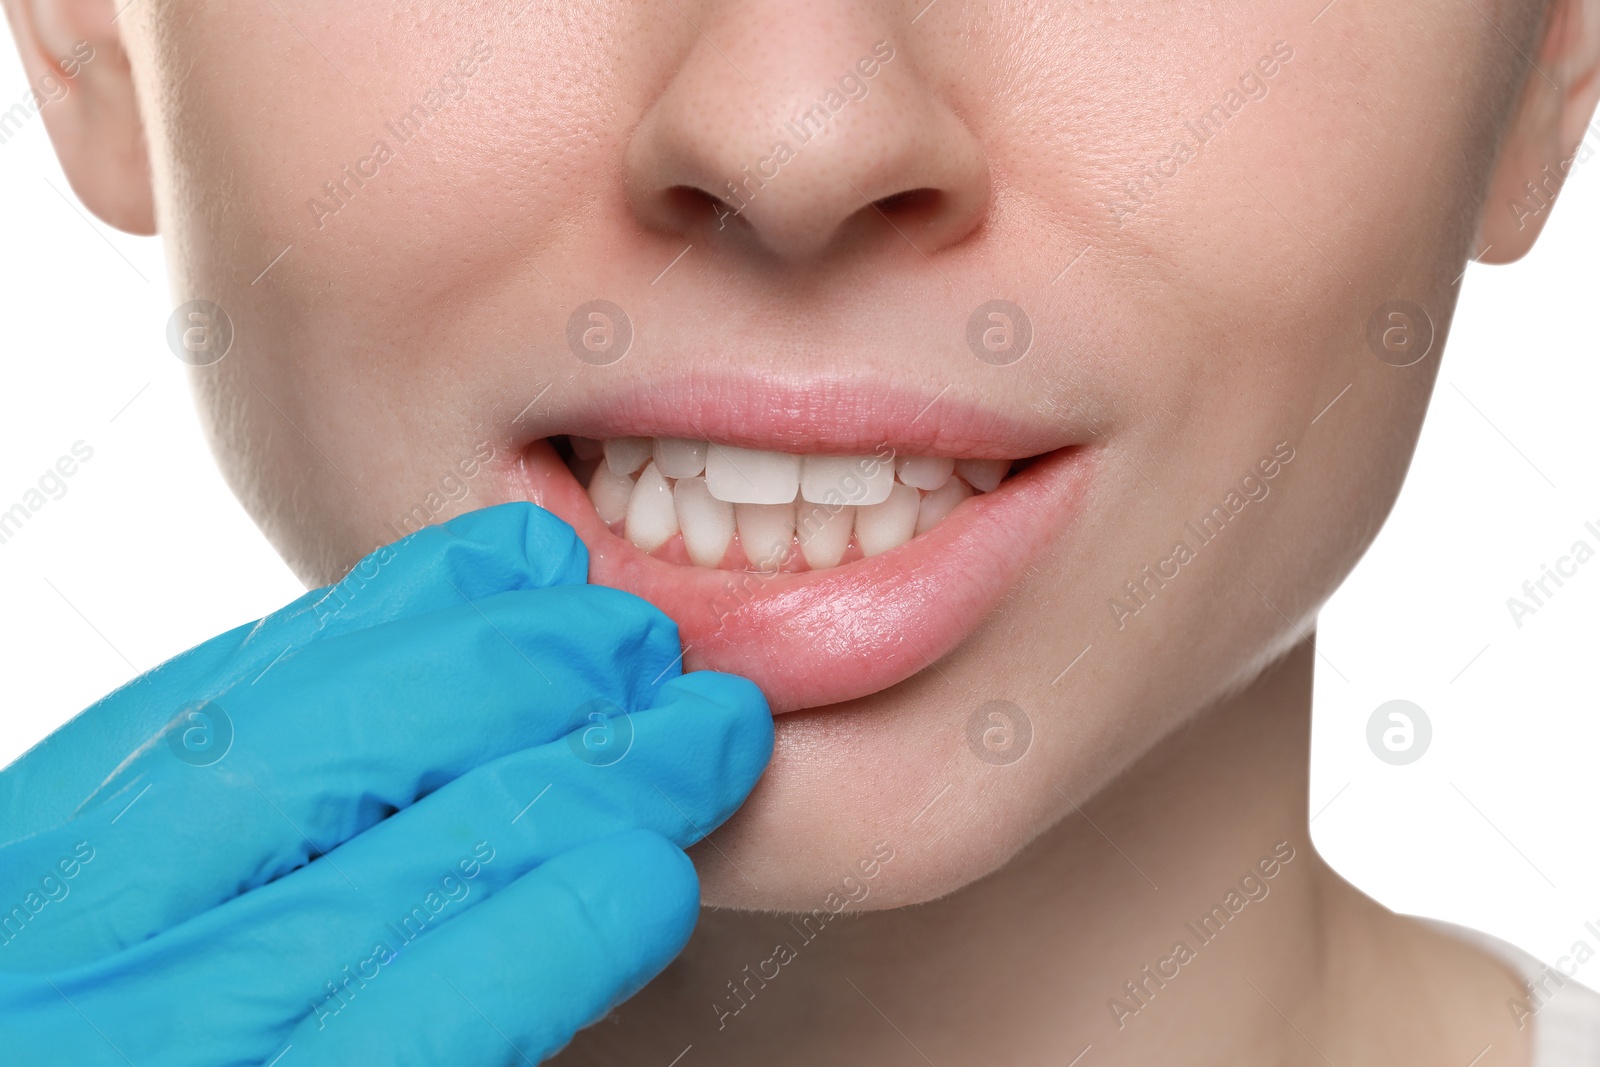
(637, 498)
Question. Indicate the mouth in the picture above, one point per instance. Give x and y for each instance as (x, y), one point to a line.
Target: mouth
(827, 551)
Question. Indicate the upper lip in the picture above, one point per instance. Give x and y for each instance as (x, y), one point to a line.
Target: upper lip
(832, 415)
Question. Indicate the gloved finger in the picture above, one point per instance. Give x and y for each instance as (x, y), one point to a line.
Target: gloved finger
(509, 546)
(347, 732)
(511, 980)
(678, 769)
(545, 956)
(301, 946)
(516, 545)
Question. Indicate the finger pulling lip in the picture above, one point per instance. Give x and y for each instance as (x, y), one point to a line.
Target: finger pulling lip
(816, 638)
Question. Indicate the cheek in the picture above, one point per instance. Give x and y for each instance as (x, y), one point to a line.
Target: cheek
(1230, 297)
(356, 220)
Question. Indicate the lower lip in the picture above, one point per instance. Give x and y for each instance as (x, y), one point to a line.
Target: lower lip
(815, 638)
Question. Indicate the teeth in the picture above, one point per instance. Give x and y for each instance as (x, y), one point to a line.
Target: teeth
(880, 527)
(706, 521)
(925, 472)
(652, 519)
(746, 476)
(766, 532)
(609, 493)
(678, 458)
(824, 534)
(983, 474)
(624, 455)
(846, 479)
(661, 487)
(941, 502)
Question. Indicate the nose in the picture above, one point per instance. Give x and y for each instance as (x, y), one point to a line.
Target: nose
(806, 127)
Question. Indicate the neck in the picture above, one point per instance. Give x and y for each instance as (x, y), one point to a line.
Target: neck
(1180, 916)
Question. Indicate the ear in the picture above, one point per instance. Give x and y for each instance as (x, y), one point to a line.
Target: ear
(83, 89)
(1550, 133)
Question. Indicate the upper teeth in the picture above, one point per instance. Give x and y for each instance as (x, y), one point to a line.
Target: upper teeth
(658, 488)
(745, 476)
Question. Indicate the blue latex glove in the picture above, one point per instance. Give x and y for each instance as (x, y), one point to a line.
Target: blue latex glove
(433, 814)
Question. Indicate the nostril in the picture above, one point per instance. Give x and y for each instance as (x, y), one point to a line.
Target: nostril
(903, 199)
(912, 208)
(685, 207)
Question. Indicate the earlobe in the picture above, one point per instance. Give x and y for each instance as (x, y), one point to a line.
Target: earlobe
(83, 87)
(1550, 133)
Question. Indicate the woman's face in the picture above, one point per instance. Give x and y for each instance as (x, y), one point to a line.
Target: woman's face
(1223, 226)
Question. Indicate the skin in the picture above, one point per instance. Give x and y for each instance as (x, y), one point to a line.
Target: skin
(1197, 333)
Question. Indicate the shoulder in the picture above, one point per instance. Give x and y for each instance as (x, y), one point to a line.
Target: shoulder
(1563, 1013)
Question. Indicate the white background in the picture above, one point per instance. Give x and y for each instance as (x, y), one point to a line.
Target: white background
(148, 553)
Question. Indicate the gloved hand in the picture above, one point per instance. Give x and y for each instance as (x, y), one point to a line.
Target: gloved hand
(431, 815)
